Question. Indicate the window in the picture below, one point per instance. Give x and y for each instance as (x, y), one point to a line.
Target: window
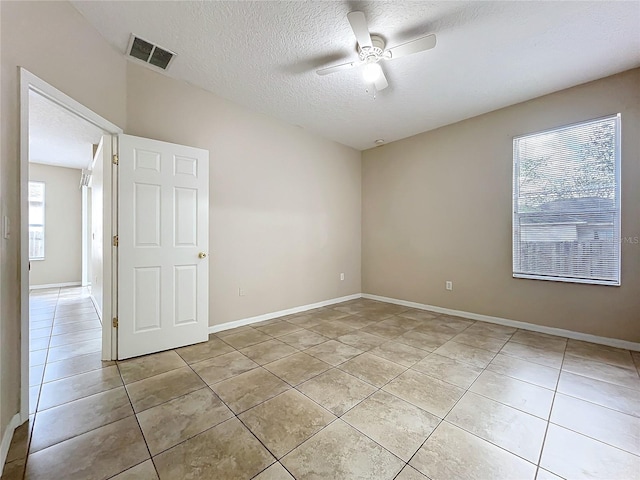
(36, 221)
(566, 203)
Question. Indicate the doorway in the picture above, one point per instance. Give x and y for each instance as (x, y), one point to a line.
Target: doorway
(59, 320)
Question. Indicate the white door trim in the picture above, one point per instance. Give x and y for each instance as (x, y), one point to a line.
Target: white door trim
(29, 81)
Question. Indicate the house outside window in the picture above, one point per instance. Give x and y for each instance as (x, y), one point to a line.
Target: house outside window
(566, 203)
(36, 220)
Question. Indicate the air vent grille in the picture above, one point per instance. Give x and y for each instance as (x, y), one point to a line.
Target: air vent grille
(149, 53)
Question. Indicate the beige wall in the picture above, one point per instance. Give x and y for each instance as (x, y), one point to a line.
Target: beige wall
(54, 42)
(437, 207)
(62, 226)
(284, 204)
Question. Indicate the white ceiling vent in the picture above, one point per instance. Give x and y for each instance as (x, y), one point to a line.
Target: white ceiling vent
(149, 53)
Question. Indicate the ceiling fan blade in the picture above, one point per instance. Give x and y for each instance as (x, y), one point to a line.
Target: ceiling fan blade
(381, 82)
(336, 68)
(414, 46)
(360, 30)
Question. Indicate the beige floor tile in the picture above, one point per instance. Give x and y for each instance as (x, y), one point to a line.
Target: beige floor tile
(399, 353)
(491, 344)
(361, 340)
(524, 396)
(39, 333)
(450, 453)
(249, 389)
(357, 321)
(402, 322)
(448, 370)
(246, 338)
(39, 343)
(161, 388)
(439, 326)
(34, 397)
(173, 422)
(601, 353)
(331, 329)
(466, 354)
(306, 319)
(636, 360)
(97, 454)
(540, 375)
(341, 452)
(222, 367)
(548, 358)
(609, 426)
(226, 451)
(75, 337)
(492, 330)
(74, 350)
(424, 341)
(612, 396)
(144, 367)
(20, 441)
(385, 330)
(268, 351)
(329, 314)
(459, 323)
(75, 318)
(76, 327)
(205, 350)
(398, 426)
(372, 369)
(303, 339)
(297, 368)
(74, 366)
(285, 421)
(234, 331)
(540, 340)
(336, 391)
(74, 311)
(142, 471)
(14, 470)
(78, 386)
(35, 375)
(420, 315)
(39, 357)
(75, 418)
(274, 472)
(333, 352)
(571, 455)
(39, 324)
(410, 473)
(545, 475)
(602, 371)
(511, 429)
(428, 393)
(279, 329)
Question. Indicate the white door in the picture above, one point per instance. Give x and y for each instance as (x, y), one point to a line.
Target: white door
(163, 239)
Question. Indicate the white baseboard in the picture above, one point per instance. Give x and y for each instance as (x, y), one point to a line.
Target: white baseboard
(586, 337)
(281, 313)
(95, 305)
(6, 439)
(54, 285)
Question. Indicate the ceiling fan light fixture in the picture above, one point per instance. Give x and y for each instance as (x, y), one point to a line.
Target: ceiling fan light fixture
(371, 72)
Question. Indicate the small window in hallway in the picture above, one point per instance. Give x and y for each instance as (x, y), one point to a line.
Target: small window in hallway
(36, 220)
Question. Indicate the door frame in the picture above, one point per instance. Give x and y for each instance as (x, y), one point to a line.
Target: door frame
(30, 82)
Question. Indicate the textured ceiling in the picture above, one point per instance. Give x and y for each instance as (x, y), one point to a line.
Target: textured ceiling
(58, 137)
(489, 55)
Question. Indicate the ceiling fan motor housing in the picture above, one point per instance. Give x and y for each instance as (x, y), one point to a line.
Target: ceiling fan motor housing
(375, 52)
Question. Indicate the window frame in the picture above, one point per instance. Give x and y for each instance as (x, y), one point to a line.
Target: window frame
(42, 225)
(515, 234)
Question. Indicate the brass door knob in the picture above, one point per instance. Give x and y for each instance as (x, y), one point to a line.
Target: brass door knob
(202, 255)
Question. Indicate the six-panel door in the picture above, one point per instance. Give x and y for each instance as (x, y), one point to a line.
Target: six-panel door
(163, 235)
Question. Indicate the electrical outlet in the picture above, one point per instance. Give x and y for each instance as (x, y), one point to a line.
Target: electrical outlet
(342, 276)
(448, 285)
(240, 292)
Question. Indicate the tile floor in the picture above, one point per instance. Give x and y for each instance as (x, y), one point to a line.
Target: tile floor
(359, 390)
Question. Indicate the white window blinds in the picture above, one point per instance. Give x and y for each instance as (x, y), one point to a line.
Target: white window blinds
(36, 221)
(566, 203)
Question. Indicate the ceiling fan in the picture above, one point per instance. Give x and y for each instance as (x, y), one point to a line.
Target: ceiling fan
(371, 50)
